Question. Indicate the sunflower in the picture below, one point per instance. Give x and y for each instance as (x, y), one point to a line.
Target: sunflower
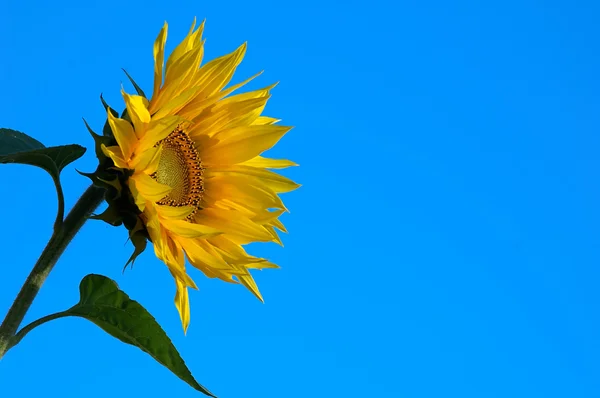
(192, 159)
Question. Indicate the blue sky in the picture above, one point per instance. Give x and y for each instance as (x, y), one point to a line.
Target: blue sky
(445, 242)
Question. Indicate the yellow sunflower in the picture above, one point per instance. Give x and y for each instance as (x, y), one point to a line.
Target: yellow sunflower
(191, 155)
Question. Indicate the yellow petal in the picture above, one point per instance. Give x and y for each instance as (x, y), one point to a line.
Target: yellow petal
(262, 265)
(137, 111)
(116, 155)
(249, 283)
(201, 255)
(274, 181)
(182, 302)
(186, 44)
(241, 190)
(173, 106)
(149, 188)
(278, 224)
(232, 222)
(174, 212)
(243, 143)
(267, 216)
(217, 73)
(138, 198)
(187, 229)
(274, 235)
(196, 106)
(169, 251)
(158, 130)
(262, 120)
(159, 57)
(148, 160)
(179, 76)
(123, 132)
(229, 115)
(232, 252)
(267, 163)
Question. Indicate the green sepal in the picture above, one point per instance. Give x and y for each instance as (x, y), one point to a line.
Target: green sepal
(138, 89)
(121, 209)
(91, 176)
(107, 131)
(139, 238)
(99, 140)
(107, 107)
(115, 183)
(110, 216)
(103, 179)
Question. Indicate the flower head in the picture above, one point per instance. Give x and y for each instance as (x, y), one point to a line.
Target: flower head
(188, 167)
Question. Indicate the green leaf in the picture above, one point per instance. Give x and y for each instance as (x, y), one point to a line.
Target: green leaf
(17, 147)
(111, 309)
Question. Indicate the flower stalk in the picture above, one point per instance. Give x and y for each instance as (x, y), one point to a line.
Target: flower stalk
(57, 244)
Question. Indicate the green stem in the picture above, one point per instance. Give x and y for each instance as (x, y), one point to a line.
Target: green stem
(19, 336)
(61, 237)
(60, 213)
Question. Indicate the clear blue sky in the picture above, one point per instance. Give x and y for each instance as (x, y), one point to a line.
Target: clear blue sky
(445, 242)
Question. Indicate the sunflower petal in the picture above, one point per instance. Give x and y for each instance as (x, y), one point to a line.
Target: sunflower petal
(217, 73)
(158, 130)
(115, 154)
(201, 256)
(250, 284)
(138, 198)
(232, 222)
(186, 44)
(229, 115)
(262, 120)
(267, 163)
(149, 188)
(148, 160)
(136, 108)
(196, 106)
(274, 181)
(174, 212)
(187, 229)
(182, 302)
(124, 134)
(238, 189)
(159, 58)
(243, 143)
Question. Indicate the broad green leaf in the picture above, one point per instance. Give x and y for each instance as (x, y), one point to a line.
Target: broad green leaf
(111, 309)
(17, 147)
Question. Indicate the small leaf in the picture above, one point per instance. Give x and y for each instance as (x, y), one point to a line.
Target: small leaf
(102, 303)
(16, 147)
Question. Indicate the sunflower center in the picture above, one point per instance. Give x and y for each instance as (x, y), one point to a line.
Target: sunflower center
(180, 168)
